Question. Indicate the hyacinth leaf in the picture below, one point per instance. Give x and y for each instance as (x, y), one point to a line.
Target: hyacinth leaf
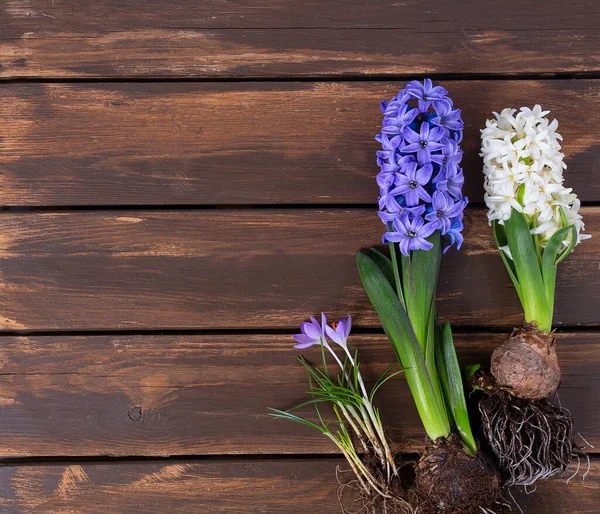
(385, 265)
(500, 238)
(433, 340)
(441, 367)
(572, 243)
(452, 385)
(397, 326)
(552, 256)
(527, 266)
(419, 278)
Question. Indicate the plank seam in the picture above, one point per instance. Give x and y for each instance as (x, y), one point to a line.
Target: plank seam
(207, 207)
(283, 331)
(26, 461)
(342, 77)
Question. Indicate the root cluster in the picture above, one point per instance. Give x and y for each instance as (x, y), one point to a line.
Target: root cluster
(356, 497)
(531, 439)
(446, 480)
(450, 481)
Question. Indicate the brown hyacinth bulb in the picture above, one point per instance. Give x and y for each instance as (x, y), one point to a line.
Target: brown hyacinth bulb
(527, 363)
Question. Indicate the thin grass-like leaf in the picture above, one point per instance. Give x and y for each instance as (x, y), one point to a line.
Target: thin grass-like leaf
(276, 413)
(383, 378)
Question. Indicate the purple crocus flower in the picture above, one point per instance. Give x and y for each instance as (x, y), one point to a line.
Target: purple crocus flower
(340, 332)
(312, 333)
(423, 143)
(412, 183)
(410, 233)
(444, 209)
(425, 93)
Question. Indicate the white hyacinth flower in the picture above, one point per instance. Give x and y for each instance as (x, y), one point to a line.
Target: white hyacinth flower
(523, 168)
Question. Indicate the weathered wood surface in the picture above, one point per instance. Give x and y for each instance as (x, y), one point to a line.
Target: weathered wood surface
(186, 38)
(208, 394)
(246, 143)
(267, 486)
(231, 268)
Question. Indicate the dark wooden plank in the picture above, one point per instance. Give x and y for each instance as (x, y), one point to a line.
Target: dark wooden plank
(107, 38)
(251, 143)
(105, 16)
(266, 486)
(262, 268)
(198, 395)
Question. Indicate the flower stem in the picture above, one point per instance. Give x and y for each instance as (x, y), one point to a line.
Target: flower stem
(397, 274)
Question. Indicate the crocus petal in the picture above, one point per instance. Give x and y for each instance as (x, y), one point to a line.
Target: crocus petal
(348, 325)
(311, 329)
(303, 341)
(333, 335)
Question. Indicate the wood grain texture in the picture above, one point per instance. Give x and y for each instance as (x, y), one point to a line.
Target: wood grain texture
(231, 268)
(122, 396)
(250, 143)
(183, 486)
(184, 38)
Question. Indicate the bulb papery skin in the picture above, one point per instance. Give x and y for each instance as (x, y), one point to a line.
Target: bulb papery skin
(527, 364)
(523, 167)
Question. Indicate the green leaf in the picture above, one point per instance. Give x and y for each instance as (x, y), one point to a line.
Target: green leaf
(385, 265)
(531, 284)
(383, 378)
(452, 385)
(500, 238)
(380, 383)
(471, 369)
(419, 278)
(276, 413)
(430, 358)
(551, 258)
(398, 328)
(569, 248)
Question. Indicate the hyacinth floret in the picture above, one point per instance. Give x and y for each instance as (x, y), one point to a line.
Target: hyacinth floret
(421, 179)
(523, 168)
